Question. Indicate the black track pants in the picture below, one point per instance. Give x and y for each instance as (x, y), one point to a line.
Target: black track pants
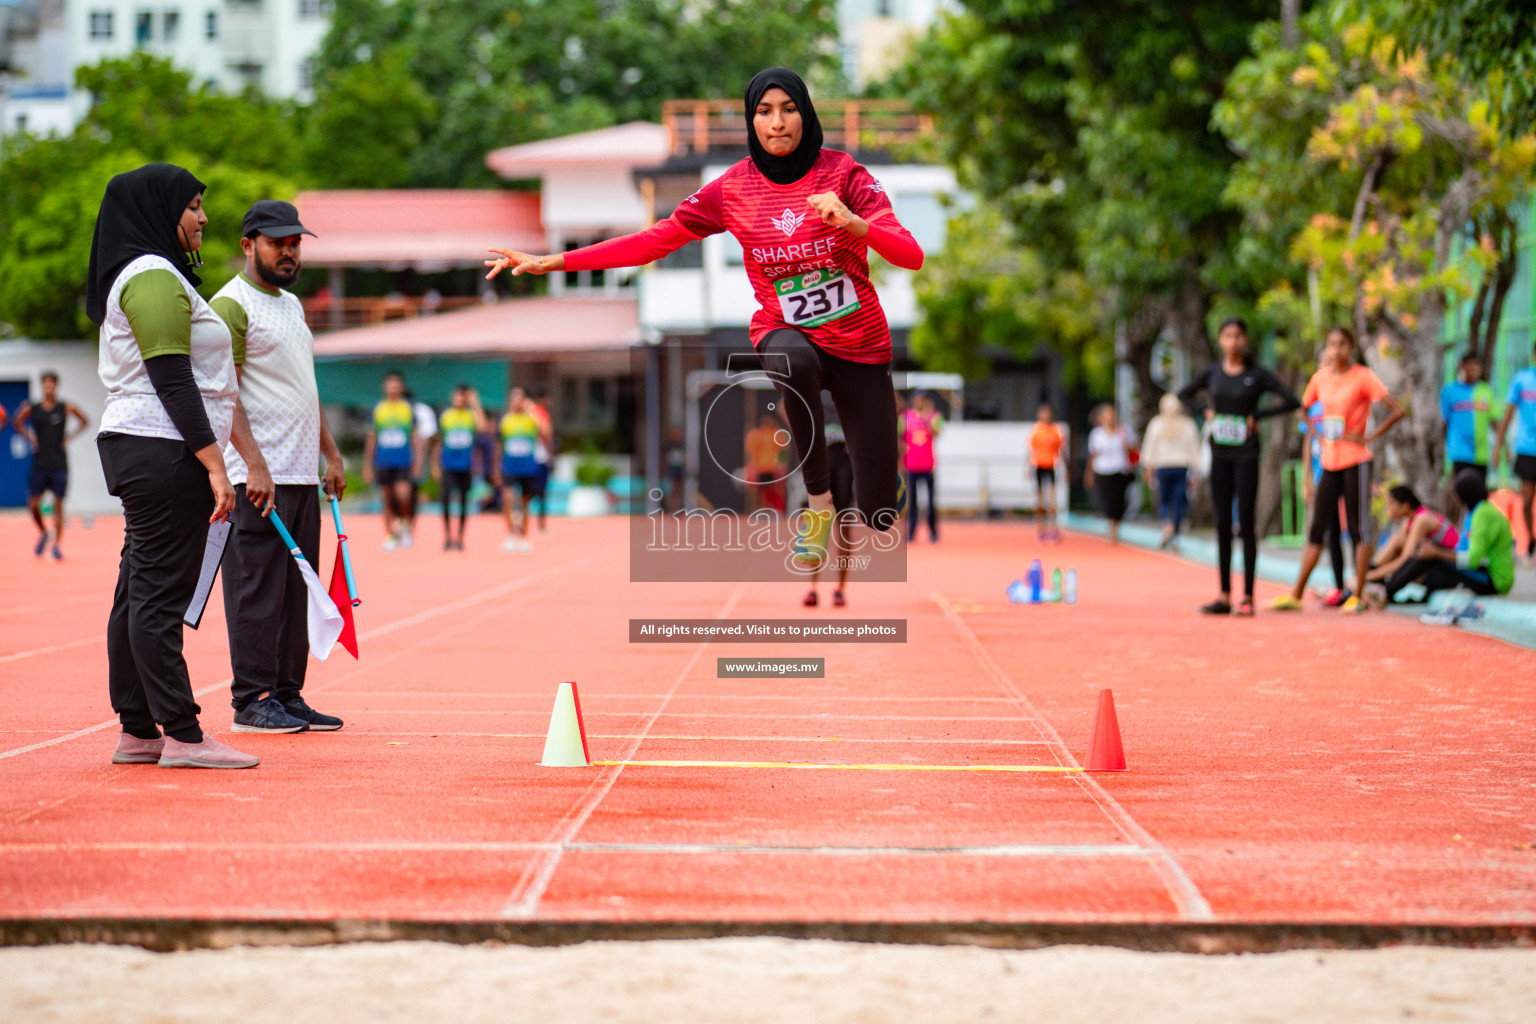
(866, 405)
(166, 504)
(266, 604)
(1236, 478)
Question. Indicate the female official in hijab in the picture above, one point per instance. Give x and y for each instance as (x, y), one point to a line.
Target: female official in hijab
(167, 364)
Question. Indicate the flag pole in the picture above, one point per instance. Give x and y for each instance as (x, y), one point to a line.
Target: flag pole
(346, 555)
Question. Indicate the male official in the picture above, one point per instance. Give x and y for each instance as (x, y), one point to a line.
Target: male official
(265, 600)
(46, 427)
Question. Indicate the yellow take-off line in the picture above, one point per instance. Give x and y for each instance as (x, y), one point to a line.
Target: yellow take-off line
(842, 767)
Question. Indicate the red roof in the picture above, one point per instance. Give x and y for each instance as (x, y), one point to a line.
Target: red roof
(428, 229)
(511, 326)
(636, 144)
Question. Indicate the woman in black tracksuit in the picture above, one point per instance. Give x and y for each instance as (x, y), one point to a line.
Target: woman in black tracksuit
(1234, 386)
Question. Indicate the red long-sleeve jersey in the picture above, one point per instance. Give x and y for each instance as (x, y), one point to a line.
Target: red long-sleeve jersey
(805, 274)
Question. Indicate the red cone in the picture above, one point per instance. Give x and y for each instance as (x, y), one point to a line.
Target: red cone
(1105, 754)
(339, 594)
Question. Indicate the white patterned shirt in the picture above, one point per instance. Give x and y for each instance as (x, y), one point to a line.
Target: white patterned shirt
(133, 406)
(276, 353)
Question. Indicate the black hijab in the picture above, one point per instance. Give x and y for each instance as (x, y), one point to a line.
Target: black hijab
(783, 170)
(139, 216)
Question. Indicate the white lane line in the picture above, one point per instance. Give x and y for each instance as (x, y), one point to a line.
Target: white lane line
(597, 695)
(54, 649)
(341, 846)
(523, 901)
(1187, 898)
(488, 595)
(820, 716)
(950, 741)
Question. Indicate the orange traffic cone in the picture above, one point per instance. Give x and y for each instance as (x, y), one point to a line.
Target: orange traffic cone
(566, 744)
(1105, 754)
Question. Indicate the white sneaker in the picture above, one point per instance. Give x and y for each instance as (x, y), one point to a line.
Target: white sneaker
(407, 539)
(509, 545)
(390, 543)
(525, 546)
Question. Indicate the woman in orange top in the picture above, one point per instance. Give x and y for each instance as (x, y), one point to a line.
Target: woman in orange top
(1347, 390)
(1045, 443)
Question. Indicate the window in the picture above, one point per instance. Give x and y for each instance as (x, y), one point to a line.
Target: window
(144, 28)
(211, 25)
(306, 75)
(250, 75)
(170, 26)
(885, 8)
(21, 124)
(100, 25)
(923, 215)
(597, 401)
(315, 8)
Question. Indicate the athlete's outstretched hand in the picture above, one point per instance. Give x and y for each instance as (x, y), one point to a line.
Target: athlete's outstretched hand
(831, 210)
(522, 263)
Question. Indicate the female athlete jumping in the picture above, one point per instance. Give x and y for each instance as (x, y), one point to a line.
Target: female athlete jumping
(806, 218)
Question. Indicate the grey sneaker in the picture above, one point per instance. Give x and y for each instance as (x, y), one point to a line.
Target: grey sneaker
(208, 754)
(298, 708)
(132, 750)
(267, 715)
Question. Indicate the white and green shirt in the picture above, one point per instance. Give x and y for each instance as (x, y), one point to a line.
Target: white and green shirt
(152, 310)
(273, 345)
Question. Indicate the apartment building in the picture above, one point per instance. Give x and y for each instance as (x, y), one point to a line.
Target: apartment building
(230, 44)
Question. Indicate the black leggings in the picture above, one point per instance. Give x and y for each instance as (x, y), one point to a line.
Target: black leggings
(1435, 575)
(866, 405)
(460, 481)
(918, 481)
(1237, 478)
(1353, 484)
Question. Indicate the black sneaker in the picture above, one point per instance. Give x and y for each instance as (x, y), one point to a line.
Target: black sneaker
(267, 715)
(298, 708)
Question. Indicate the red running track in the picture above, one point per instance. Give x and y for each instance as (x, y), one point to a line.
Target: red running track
(1301, 768)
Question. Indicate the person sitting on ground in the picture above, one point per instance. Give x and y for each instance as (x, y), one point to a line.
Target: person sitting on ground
(1417, 524)
(1486, 566)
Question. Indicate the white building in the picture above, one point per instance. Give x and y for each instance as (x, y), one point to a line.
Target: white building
(873, 34)
(230, 44)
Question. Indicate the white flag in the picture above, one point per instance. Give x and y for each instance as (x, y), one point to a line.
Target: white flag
(325, 622)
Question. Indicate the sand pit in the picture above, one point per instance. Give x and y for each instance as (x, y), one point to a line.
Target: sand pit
(752, 980)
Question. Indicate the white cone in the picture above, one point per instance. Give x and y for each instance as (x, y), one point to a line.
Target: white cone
(566, 744)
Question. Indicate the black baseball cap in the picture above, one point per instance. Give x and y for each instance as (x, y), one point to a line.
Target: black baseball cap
(273, 218)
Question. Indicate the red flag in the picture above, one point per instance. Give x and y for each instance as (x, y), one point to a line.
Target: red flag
(348, 638)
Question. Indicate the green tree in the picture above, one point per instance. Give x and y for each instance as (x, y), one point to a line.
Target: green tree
(144, 109)
(1088, 123)
(511, 71)
(1493, 41)
(366, 125)
(1390, 157)
(988, 291)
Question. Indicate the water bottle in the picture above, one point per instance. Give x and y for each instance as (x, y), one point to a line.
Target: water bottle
(1069, 593)
(1036, 579)
(1056, 584)
(1016, 592)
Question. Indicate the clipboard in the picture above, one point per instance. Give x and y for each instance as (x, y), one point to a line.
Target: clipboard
(213, 556)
